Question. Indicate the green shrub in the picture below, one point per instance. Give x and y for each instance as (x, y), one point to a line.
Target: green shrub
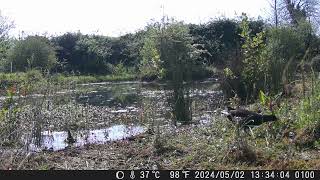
(255, 65)
(33, 52)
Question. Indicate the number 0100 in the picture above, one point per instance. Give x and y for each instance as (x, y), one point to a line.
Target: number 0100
(304, 174)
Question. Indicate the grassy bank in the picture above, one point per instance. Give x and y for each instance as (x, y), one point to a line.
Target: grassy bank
(32, 81)
(59, 78)
(21, 77)
(93, 79)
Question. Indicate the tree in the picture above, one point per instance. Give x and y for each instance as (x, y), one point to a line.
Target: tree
(276, 18)
(32, 52)
(151, 66)
(220, 38)
(297, 10)
(177, 55)
(96, 54)
(254, 72)
(132, 44)
(222, 41)
(93, 54)
(5, 26)
(89, 54)
(65, 50)
(170, 49)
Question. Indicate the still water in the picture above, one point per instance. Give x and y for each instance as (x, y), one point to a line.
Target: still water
(127, 99)
(57, 140)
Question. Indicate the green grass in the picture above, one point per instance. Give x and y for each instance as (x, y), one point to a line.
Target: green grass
(35, 82)
(59, 78)
(7, 79)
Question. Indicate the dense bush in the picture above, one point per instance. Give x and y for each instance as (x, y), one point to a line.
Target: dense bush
(271, 59)
(95, 54)
(220, 39)
(34, 52)
(250, 75)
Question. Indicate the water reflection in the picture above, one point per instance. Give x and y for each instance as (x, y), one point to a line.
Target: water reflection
(117, 95)
(55, 141)
(125, 94)
(109, 98)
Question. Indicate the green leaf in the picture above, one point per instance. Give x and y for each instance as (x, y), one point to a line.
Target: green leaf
(262, 97)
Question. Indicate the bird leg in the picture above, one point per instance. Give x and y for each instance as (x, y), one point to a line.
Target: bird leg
(251, 132)
(248, 130)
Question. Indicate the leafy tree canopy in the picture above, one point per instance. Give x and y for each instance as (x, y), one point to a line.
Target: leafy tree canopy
(32, 52)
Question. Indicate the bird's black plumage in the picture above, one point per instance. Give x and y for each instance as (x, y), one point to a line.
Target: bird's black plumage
(248, 118)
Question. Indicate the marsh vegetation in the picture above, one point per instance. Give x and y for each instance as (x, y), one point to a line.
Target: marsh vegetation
(157, 99)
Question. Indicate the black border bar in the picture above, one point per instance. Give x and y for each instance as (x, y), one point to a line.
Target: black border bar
(163, 174)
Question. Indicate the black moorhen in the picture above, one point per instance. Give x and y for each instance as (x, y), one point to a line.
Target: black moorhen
(247, 118)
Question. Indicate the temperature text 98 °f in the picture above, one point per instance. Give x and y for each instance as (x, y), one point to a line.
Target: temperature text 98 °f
(179, 174)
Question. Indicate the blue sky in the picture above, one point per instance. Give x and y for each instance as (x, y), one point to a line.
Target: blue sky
(117, 17)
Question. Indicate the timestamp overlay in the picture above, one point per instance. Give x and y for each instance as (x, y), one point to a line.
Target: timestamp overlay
(217, 174)
(163, 174)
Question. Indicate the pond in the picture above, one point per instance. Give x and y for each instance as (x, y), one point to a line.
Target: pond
(104, 112)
